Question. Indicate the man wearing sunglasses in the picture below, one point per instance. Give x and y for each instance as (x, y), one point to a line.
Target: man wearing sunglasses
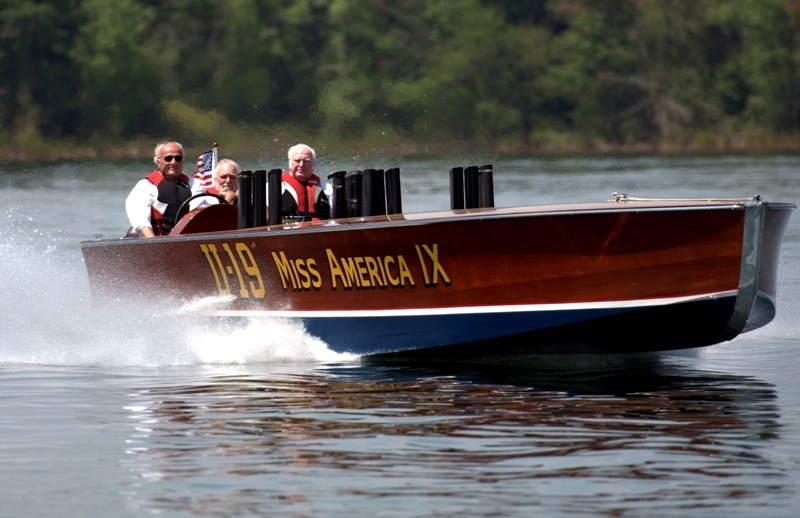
(152, 206)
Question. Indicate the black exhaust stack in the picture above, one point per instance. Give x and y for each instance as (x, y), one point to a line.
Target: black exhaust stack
(274, 196)
(486, 186)
(471, 188)
(259, 198)
(352, 190)
(394, 203)
(456, 188)
(339, 200)
(373, 193)
(471, 196)
(245, 202)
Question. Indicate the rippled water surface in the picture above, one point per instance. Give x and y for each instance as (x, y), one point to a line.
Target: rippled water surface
(134, 411)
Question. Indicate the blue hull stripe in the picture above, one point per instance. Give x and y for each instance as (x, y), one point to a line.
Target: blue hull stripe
(382, 331)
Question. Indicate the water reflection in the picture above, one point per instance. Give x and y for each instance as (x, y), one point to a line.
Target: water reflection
(439, 433)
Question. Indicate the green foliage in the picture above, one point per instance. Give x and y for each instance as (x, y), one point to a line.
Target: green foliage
(762, 75)
(119, 72)
(37, 83)
(516, 73)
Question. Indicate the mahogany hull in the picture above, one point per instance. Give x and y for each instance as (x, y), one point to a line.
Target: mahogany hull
(603, 277)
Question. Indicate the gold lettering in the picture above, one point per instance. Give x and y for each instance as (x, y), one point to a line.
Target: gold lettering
(388, 261)
(382, 268)
(362, 273)
(437, 266)
(405, 273)
(295, 276)
(316, 278)
(372, 271)
(285, 269)
(218, 277)
(303, 278)
(243, 293)
(365, 272)
(336, 270)
(350, 271)
(251, 268)
(213, 250)
(422, 266)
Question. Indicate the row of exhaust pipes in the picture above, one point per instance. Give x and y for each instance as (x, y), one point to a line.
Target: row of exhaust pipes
(370, 192)
(471, 187)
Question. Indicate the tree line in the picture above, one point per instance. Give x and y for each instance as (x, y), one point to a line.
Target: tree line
(513, 74)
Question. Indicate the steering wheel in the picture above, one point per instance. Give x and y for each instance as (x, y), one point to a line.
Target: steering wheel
(200, 195)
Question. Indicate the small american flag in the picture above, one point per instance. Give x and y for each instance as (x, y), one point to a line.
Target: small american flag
(205, 164)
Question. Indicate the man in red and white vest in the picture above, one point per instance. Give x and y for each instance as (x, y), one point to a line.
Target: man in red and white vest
(152, 206)
(303, 194)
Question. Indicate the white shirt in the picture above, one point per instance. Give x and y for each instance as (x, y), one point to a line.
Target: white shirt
(142, 197)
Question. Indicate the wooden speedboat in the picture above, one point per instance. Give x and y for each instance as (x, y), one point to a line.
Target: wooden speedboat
(618, 276)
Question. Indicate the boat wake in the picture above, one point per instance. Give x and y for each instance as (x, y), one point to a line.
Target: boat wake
(49, 319)
(260, 340)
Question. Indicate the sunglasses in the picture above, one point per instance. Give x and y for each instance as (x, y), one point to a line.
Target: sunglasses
(169, 158)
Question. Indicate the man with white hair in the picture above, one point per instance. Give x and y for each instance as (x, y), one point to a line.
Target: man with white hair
(304, 196)
(226, 180)
(152, 206)
(225, 177)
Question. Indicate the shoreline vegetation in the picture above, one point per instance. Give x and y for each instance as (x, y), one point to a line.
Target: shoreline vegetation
(86, 79)
(48, 150)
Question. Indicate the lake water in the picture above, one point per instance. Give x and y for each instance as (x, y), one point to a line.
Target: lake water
(136, 413)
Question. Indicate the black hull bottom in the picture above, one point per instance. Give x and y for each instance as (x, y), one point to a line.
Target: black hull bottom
(684, 326)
